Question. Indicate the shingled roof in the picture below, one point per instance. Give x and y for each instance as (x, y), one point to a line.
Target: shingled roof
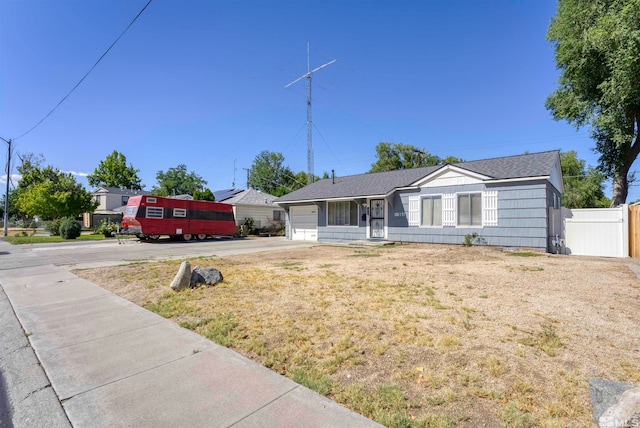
(246, 197)
(382, 183)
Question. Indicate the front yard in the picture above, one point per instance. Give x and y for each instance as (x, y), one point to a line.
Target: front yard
(417, 335)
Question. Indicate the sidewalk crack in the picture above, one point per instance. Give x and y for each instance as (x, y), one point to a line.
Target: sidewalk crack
(265, 405)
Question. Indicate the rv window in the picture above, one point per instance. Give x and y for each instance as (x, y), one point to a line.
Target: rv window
(151, 200)
(130, 211)
(154, 212)
(179, 212)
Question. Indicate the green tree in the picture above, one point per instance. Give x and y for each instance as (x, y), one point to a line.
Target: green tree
(204, 195)
(13, 211)
(392, 156)
(597, 50)
(177, 181)
(583, 186)
(114, 172)
(269, 175)
(49, 193)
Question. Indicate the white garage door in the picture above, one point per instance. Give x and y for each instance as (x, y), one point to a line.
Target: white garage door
(304, 223)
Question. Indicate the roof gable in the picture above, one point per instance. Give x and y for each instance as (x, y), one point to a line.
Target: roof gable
(450, 175)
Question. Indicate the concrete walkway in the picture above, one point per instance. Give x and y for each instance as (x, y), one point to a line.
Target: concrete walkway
(82, 356)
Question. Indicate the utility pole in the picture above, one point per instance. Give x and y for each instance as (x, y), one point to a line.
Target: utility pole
(420, 152)
(6, 194)
(309, 125)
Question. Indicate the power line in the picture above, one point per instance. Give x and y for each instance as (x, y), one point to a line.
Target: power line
(88, 72)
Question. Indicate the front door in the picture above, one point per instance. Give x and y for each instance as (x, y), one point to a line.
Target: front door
(376, 209)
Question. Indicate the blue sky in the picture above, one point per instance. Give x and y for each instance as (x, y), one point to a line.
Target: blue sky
(201, 83)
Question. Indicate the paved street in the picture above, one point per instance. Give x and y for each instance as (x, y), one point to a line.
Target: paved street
(74, 354)
(104, 253)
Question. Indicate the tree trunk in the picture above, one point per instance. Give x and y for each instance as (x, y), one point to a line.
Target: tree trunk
(620, 186)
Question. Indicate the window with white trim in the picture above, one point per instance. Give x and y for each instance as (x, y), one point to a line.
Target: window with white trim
(179, 212)
(431, 206)
(151, 200)
(343, 213)
(469, 209)
(155, 212)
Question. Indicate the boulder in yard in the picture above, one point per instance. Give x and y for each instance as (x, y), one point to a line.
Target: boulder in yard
(183, 277)
(207, 276)
(625, 413)
(605, 393)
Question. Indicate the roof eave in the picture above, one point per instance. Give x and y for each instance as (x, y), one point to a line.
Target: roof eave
(518, 179)
(341, 198)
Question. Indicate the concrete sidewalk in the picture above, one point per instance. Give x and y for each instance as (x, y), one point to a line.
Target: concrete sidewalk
(112, 363)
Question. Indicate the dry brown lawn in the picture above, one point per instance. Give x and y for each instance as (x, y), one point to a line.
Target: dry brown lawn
(417, 335)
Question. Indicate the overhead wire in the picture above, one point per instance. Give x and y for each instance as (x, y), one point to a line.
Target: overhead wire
(87, 73)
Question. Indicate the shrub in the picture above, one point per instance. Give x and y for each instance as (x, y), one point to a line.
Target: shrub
(107, 228)
(473, 238)
(250, 225)
(70, 228)
(53, 227)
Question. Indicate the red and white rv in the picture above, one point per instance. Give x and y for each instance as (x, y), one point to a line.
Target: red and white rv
(148, 217)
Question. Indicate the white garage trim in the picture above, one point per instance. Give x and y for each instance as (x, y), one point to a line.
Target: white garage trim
(303, 220)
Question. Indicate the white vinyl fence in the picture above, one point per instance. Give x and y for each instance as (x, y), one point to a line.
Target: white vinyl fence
(596, 231)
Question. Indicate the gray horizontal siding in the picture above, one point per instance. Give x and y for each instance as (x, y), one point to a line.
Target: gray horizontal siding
(493, 236)
(342, 233)
(522, 217)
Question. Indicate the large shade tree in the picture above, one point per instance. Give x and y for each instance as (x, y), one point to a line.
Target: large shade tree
(393, 156)
(583, 186)
(597, 50)
(269, 174)
(178, 181)
(49, 193)
(114, 172)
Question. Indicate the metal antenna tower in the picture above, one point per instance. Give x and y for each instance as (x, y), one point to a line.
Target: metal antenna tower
(309, 123)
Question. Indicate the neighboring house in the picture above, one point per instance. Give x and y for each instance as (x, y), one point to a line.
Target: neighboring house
(250, 203)
(509, 201)
(111, 202)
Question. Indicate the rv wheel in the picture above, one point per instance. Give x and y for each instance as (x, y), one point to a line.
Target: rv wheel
(201, 236)
(154, 237)
(187, 237)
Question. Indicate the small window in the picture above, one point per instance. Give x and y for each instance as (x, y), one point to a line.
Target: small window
(179, 212)
(278, 215)
(151, 200)
(155, 212)
(97, 198)
(344, 213)
(431, 211)
(125, 199)
(130, 212)
(469, 209)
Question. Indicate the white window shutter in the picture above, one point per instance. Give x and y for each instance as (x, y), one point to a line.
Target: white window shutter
(490, 208)
(449, 209)
(414, 210)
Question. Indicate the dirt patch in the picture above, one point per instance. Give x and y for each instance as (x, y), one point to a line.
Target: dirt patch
(417, 335)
